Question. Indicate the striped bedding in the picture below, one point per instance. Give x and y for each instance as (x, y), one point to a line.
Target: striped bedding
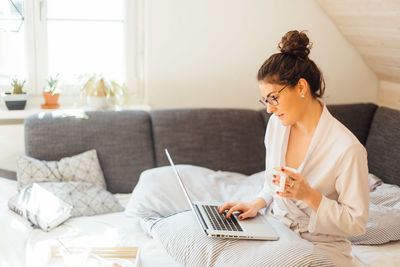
(384, 214)
(183, 239)
(159, 201)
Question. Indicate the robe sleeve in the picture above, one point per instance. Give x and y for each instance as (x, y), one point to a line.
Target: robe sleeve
(265, 192)
(348, 215)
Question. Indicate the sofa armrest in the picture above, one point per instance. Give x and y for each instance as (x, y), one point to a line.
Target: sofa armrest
(8, 174)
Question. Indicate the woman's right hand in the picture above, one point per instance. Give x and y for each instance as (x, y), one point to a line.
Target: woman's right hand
(248, 210)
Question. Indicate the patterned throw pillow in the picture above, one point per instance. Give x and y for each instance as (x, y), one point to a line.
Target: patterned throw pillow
(86, 199)
(84, 167)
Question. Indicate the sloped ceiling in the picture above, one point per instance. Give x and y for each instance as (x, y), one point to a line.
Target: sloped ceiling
(373, 28)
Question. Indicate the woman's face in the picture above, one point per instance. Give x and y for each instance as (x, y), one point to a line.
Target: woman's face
(290, 105)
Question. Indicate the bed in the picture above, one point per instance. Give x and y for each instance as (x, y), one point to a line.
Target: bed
(23, 245)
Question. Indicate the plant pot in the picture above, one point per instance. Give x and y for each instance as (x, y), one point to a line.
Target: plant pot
(50, 100)
(97, 102)
(15, 101)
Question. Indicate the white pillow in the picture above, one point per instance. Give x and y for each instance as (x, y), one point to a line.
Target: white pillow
(84, 167)
(158, 193)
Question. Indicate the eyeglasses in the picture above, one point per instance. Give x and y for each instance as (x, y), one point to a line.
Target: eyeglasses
(272, 99)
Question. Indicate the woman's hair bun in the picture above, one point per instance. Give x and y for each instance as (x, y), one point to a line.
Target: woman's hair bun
(295, 43)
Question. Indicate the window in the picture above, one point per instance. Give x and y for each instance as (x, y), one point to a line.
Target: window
(12, 41)
(72, 38)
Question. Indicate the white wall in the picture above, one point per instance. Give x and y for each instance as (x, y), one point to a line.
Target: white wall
(206, 53)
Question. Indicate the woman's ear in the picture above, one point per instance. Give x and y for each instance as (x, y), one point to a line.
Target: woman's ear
(303, 87)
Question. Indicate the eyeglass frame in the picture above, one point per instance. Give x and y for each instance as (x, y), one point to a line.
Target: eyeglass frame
(272, 99)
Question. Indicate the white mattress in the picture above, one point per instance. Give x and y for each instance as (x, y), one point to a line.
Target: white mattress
(20, 243)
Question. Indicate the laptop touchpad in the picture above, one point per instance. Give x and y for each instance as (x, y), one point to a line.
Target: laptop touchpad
(253, 221)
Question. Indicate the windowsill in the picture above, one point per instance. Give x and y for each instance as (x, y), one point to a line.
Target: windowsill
(68, 105)
(22, 114)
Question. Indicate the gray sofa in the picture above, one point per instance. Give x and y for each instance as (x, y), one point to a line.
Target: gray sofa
(129, 142)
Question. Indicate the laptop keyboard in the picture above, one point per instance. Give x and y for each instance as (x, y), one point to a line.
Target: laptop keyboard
(219, 221)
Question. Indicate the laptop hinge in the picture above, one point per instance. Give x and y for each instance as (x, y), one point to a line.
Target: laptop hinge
(200, 216)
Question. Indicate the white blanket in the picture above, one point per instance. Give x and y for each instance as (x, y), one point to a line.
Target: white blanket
(23, 246)
(14, 229)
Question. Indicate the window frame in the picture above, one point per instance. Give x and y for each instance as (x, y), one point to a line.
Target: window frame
(37, 52)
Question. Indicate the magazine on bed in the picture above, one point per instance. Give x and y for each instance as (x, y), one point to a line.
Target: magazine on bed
(40, 207)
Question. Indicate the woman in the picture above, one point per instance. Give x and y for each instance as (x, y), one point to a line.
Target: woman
(327, 198)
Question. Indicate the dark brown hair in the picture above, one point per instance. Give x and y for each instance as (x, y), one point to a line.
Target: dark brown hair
(293, 63)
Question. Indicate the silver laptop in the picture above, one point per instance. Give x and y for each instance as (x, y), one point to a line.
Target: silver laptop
(215, 224)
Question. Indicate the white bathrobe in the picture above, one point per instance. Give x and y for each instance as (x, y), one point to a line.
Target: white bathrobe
(336, 166)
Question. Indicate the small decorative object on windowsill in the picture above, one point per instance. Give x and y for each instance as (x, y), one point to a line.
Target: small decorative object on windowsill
(51, 93)
(101, 93)
(16, 100)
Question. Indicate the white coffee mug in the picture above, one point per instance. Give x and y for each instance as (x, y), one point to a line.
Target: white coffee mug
(283, 177)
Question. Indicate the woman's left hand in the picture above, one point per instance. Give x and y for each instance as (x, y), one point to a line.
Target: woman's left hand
(296, 187)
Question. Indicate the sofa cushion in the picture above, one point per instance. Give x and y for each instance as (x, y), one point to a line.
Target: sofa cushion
(356, 117)
(383, 145)
(218, 139)
(265, 116)
(122, 141)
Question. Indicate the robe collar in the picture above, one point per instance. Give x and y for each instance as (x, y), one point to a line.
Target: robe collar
(317, 137)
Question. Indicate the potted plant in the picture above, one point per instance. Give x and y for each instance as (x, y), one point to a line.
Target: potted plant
(16, 100)
(117, 94)
(51, 93)
(101, 93)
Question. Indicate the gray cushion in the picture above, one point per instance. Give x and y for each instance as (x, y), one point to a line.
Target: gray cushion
(383, 145)
(265, 115)
(122, 141)
(356, 117)
(218, 139)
